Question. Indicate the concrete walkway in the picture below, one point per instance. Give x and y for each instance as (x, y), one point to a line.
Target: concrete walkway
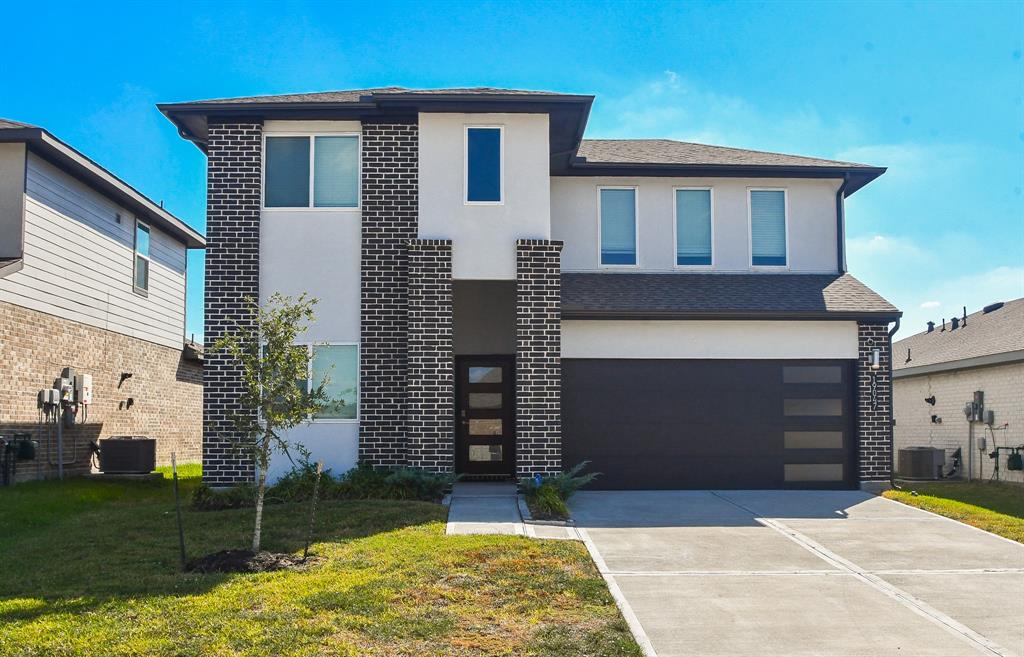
(484, 508)
(802, 574)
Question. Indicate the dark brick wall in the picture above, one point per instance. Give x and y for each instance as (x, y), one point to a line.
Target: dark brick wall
(538, 357)
(874, 431)
(389, 209)
(431, 386)
(232, 273)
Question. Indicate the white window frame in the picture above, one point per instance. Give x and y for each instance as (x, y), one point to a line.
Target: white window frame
(141, 291)
(675, 228)
(309, 379)
(636, 226)
(465, 163)
(750, 230)
(311, 135)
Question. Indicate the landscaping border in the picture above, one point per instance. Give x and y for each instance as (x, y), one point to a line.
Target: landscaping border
(524, 513)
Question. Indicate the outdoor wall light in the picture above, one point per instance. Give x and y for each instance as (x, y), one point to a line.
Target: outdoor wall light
(876, 359)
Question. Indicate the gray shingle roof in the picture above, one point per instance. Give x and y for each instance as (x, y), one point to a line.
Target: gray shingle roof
(998, 332)
(687, 295)
(7, 124)
(358, 95)
(668, 151)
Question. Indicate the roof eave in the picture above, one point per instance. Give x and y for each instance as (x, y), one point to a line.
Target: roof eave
(987, 360)
(859, 176)
(864, 316)
(81, 166)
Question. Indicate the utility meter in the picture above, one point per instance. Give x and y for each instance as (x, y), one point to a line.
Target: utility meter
(83, 389)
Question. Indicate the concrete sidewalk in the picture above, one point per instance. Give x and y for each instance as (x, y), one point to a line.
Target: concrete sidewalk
(484, 508)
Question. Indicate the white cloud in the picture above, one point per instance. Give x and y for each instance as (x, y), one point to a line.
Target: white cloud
(930, 304)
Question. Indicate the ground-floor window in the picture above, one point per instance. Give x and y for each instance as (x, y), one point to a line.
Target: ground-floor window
(339, 364)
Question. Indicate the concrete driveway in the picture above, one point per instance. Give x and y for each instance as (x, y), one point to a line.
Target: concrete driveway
(803, 573)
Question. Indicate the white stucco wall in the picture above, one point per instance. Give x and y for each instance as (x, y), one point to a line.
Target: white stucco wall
(811, 225)
(708, 339)
(484, 236)
(317, 252)
(1003, 386)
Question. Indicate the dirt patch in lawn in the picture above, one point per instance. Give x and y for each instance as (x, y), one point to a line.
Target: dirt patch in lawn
(247, 561)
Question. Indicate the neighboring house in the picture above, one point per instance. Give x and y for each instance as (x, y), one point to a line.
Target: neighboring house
(499, 296)
(937, 373)
(92, 277)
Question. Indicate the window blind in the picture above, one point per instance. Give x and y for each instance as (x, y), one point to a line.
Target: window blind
(768, 227)
(693, 227)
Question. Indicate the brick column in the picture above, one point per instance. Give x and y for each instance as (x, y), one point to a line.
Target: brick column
(538, 357)
(232, 273)
(431, 381)
(874, 397)
(390, 205)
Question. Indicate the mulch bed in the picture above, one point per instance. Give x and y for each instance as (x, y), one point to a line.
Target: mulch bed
(247, 561)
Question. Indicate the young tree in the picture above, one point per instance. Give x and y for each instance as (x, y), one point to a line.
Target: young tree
(274, 373)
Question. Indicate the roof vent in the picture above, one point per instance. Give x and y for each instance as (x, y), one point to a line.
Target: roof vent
(943, 324)
(931, 327)
(992, 307)
(954, 323)
(964, 321)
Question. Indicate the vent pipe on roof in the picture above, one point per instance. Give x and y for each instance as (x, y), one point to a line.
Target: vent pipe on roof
(931, 327)
(964, 322)
(992, 307)
(943, 325)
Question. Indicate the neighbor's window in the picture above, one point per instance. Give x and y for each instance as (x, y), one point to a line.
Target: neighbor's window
(618, 226)
(339, 363)
(320, 171)
(768, 227)
(141, 257)
(483, 165)
(693, 226)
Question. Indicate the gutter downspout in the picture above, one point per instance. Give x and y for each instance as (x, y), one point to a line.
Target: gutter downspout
(892, 403)
(841, 228)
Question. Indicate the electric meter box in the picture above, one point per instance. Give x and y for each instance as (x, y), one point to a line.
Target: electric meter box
(83, 389)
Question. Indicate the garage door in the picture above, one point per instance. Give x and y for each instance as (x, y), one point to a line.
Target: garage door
(657, 424)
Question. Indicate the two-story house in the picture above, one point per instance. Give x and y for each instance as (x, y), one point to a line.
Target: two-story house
(92, 278)
(499, 296)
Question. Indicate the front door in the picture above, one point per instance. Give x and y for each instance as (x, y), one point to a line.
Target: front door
(485, 417)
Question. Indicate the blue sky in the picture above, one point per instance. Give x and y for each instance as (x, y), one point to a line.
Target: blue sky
(933, 91)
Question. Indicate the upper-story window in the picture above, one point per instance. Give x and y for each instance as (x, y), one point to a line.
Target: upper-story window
(768, 227)
(693, 227)
(484, 175)
(618, 225)
(311, 171)
(141, 278)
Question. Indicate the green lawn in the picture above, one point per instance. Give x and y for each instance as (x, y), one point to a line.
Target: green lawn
(994, 507)
(91, 568)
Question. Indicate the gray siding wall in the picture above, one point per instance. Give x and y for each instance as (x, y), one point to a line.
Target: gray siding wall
(79, 262)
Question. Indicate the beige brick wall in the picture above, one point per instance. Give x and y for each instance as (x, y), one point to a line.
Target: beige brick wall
(1003, 386)
(167, 389)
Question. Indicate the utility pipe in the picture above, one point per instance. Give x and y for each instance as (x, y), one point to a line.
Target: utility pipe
(841, 229)
(892, 401)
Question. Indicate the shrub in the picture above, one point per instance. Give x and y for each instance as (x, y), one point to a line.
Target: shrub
(565, 483)
(364, 482)
(205, 498)
(546, 503)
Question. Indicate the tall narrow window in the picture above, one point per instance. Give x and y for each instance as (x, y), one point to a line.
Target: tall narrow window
(483, 165)
(141, 257)
(693, 227)
(768, 227)
(618, 226)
